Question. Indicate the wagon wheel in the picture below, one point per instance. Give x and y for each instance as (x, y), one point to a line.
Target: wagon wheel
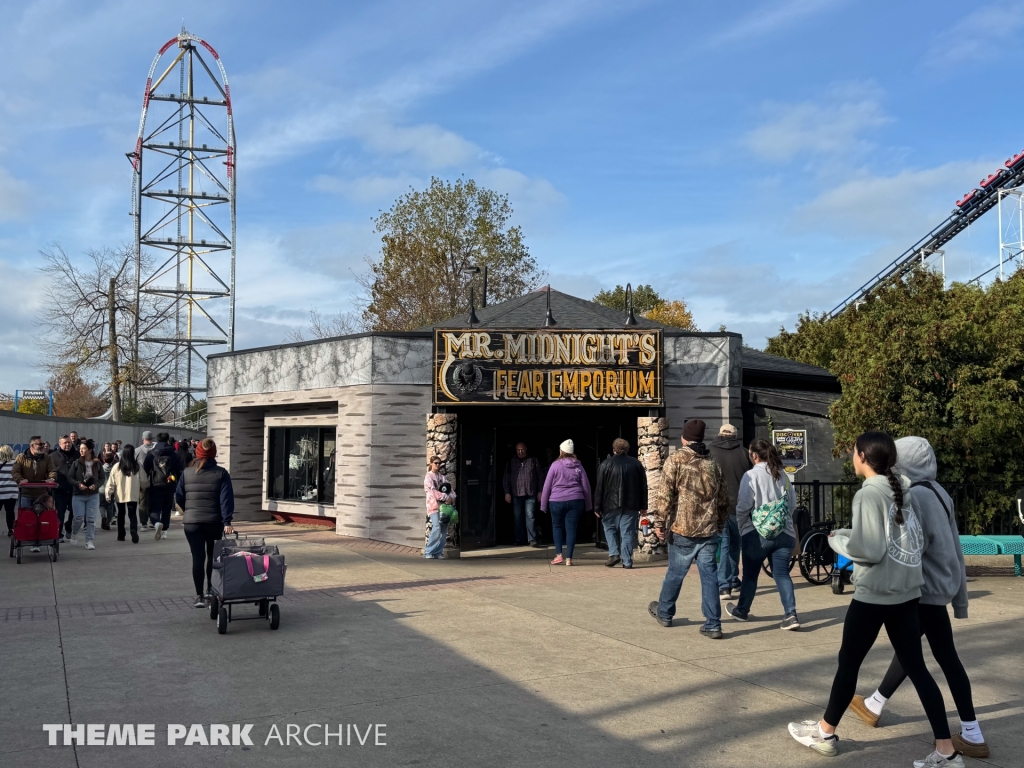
(817, 560)
(222, 621)
(275, 616)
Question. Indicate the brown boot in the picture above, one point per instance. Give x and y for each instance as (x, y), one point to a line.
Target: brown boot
(969, 748)
(861, 710)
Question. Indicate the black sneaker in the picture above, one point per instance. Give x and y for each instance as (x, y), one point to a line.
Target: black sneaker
(730, 608)
(725, 594)
(612, 561)
(652, 609)
(713, 634)
(534, 544)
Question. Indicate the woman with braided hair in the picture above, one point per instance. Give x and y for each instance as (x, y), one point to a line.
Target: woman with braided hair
(885, 542)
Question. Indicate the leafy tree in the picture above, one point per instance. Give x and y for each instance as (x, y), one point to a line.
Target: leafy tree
(672, 313)
(72, 397)
(917, 359)
(136, 412)
(645, 298)
(429, 240)
(35, 407)
(649, 304)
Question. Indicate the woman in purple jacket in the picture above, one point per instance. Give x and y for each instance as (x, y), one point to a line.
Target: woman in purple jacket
(566, 495)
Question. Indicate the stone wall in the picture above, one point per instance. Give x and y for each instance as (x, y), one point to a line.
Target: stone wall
(442, 441)
(652, 450)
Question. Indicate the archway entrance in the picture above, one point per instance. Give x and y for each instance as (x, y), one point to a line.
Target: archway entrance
(487, 439)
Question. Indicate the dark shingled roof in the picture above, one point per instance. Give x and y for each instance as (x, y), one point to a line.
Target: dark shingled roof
(756, 360)
(530, 310)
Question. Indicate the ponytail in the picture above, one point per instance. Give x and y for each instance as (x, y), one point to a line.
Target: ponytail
(897, 493)
(879, 451)
(769, 454)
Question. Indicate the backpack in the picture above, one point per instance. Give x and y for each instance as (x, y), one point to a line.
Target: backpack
(770, 518)
(160, 477)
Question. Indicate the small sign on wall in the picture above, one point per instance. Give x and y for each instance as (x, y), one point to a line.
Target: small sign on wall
(792, 447)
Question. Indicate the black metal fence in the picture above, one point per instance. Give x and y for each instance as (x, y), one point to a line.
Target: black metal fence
(980, 507)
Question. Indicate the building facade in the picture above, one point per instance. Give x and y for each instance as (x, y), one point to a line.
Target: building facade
(338, 430)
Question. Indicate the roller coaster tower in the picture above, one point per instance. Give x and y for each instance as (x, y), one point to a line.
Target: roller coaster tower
(183, 210)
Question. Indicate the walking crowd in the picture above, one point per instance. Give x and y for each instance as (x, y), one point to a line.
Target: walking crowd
(736, 504)
(721, 502)
(148, 485)
(98, 485)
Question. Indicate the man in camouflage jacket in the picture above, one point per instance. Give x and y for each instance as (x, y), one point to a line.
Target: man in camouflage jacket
(693, 503)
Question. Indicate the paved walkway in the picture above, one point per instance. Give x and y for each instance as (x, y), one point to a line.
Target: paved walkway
(497, 660)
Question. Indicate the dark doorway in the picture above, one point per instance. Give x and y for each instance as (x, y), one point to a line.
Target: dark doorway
(488, 437)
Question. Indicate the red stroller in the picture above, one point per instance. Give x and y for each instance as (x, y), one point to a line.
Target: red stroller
(36, 528)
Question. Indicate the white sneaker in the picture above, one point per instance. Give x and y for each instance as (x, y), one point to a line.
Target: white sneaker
(935, 760)
(163, 535)
(73, 541)
(35, 549)
(90, 545)
(158, 528)
(808, 734)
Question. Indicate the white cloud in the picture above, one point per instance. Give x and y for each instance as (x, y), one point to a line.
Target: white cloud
(907, 204)
(833, 126)
(21, 298)
(14, 194)
(769, 18)
(979, 36)
(330, 111)
(430, 145)
(368, 189)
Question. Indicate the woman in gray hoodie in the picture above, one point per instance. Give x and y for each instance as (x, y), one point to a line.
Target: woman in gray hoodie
(945, 582)
(885, 542)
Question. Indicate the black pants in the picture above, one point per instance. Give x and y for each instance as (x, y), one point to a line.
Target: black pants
(200, 540)
(62, 501)
(131, 507)
(934, 623)
(161, 501)
(9, 505)
(860, 630)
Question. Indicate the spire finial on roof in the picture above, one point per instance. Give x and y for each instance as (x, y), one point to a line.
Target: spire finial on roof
(549, 319)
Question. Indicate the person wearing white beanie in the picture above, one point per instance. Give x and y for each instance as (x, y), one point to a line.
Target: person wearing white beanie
(566, 496)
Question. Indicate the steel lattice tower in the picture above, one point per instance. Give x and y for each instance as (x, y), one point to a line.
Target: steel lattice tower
(183, 208)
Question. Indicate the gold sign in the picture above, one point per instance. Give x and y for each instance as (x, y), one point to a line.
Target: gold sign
(546, 367)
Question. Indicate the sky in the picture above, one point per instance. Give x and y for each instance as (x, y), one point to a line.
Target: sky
(755, 159)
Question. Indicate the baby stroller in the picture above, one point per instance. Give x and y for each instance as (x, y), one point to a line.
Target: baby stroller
(36, 526)
(246, 571)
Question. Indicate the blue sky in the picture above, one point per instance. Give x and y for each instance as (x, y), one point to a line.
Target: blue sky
(755, 159)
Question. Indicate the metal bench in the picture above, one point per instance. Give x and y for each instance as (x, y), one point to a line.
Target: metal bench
(978, 545)
(1010, 545)
(995, 545)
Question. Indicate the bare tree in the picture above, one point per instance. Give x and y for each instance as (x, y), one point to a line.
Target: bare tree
(329, 326)
(86, 304)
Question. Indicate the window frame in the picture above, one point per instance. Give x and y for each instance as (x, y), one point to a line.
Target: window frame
(280, 441)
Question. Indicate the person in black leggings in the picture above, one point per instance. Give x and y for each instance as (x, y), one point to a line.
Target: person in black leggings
(204, 492)
(886, 543)
(945, 583)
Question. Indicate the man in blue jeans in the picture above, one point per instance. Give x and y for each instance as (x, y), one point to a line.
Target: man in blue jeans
(732, 457)
(522, 482)
(693, 495)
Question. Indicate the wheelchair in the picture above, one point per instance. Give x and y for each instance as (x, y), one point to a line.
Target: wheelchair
(816, 558)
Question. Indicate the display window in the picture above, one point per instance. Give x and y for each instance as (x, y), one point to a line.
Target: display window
(301, 464)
